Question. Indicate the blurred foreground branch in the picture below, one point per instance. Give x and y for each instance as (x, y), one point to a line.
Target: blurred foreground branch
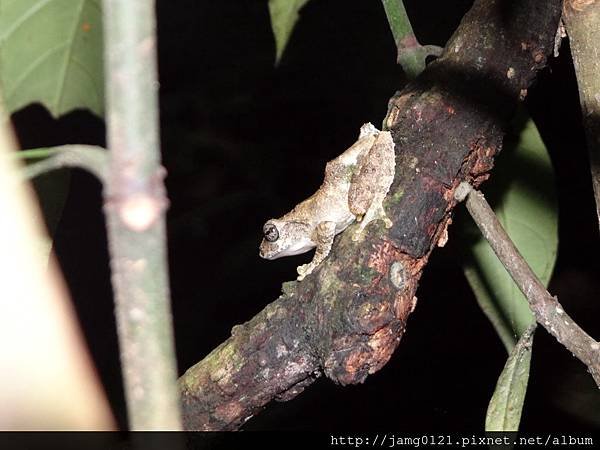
(47, 380)
(135, 204)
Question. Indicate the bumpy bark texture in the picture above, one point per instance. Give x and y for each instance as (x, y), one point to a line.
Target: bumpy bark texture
(582, 18)
(346, 319)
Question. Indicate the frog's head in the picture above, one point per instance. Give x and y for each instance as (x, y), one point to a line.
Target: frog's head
(285, 238)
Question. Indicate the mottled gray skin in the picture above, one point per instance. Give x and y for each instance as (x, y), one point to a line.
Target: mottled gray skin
(354, 187)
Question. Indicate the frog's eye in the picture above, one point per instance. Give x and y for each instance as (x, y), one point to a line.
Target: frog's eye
(270, 232)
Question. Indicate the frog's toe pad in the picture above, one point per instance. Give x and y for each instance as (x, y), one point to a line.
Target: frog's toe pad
(303, 271)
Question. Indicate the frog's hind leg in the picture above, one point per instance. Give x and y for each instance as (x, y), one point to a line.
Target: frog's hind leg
(371, 183)
(324, 234)
(374, 212)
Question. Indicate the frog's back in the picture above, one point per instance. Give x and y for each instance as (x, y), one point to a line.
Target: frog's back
(330, 202)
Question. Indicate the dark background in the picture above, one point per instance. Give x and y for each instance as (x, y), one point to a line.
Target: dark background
(244, 141)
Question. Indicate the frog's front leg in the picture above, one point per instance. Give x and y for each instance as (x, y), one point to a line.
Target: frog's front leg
(323, 237)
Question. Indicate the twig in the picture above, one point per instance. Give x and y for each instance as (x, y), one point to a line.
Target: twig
(582, 21)
(135, 204)
(411, 54)
(87, 157)
(547, 310)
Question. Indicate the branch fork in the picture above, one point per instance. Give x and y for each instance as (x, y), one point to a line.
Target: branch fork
(548, 312)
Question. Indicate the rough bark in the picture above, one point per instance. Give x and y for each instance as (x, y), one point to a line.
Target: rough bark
(346, 319)
(582, 18)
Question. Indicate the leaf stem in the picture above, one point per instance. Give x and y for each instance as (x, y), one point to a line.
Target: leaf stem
(87, 157)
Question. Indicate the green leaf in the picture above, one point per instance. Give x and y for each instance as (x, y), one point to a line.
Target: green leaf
(522, 194)
(52, 190)
(51, 52)
(504, 410)
(52, 186)
(284, 15)
(35, 153)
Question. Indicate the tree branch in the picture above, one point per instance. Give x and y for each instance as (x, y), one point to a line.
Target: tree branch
(346, 319)
(135, 203)
(582, 20)
(547, 310)
(87, 157)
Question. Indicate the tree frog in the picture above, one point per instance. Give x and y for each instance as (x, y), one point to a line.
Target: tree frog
(354, 187)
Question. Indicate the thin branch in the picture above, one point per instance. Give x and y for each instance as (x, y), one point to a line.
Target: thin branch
(411, 55)
(87, 157)
(547, 310)
(135, 204)
(582, 20)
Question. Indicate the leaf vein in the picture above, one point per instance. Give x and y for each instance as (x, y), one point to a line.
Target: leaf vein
(84, 69)
(31, 68)
(24, 18)
(67, 60)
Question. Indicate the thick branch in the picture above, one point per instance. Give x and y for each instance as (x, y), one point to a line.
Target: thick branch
(135, 203)
(346, 319)
(582, 19)
(547, 310)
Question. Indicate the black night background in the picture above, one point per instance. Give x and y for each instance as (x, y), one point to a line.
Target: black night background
(244, 140)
